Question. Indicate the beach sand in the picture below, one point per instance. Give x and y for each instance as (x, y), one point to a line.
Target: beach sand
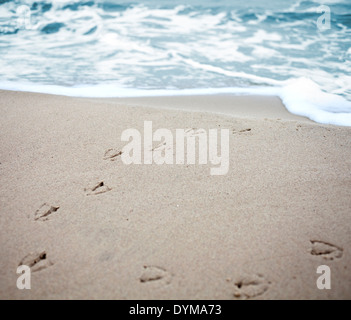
(171, 231)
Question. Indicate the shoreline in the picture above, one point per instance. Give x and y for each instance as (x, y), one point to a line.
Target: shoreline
(171, 231)
(234, 105)
(237, 106)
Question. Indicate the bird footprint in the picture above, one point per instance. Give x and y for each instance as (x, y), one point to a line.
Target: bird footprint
(250, 286)
(153, 273)
(112, 154)
(36, 261)
(44, 212)
(326, 250)
(97, 189)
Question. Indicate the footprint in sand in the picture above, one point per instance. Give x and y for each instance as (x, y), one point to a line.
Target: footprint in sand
(155, 274)
(194, 132)
(112, 154)
(37, 261)
(160, 150)
(44, 212)
(325, 250)
(250, 286)
(161, 147)
(243, 131)
(97, 189)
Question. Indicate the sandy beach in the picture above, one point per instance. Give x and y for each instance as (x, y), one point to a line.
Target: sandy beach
(92, 227)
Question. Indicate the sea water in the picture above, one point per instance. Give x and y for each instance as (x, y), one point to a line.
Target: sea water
(101, 48)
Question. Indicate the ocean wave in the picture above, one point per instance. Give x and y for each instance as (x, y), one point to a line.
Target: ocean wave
(159, 46)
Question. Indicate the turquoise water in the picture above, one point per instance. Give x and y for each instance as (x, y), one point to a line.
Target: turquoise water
(133, 48)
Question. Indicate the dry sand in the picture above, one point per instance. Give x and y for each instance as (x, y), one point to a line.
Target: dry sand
(171, 231)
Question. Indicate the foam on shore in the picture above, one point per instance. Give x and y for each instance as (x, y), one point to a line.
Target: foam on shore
(300, 96)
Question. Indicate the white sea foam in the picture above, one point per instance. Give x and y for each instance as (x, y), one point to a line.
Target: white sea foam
(305, 98)
(300, 96)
